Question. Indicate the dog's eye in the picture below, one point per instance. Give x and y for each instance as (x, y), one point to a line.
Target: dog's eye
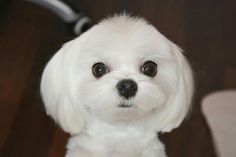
(99, 69)
(149, 68)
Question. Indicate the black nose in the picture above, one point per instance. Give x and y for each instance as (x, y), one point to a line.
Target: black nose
(127, 88)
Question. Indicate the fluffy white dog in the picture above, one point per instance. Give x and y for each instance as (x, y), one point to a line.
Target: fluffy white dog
(115, 87)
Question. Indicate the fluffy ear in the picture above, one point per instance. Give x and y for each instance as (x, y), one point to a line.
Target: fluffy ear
(55, 91)
(179, 102)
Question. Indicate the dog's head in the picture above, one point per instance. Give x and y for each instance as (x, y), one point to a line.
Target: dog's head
(121, 70)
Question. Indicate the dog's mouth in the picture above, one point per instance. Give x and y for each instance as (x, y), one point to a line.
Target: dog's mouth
(123, 105)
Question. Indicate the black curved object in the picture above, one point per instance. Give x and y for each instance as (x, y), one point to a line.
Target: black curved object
(79, 22)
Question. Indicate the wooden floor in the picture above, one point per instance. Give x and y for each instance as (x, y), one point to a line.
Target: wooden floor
(29, 36)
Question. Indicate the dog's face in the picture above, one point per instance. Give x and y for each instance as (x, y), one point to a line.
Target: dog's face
(121, 70)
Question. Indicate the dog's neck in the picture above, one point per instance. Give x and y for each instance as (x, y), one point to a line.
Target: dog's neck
(118, 132)
(129, 140)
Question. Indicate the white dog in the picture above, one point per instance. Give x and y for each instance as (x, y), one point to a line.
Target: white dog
(115, 87)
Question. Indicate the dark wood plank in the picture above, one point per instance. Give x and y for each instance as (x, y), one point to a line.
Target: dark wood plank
(16, 60)
(30, 37)
(230, 78)
(59, 141)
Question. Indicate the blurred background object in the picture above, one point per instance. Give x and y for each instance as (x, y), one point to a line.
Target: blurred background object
(75, 18)
(30, 35)
(219, 109)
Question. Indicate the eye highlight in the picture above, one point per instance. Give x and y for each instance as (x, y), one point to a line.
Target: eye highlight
(99, 69)
(149, 68)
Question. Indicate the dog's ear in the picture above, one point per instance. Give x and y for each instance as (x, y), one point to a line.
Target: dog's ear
(56, 94)
(179, 102)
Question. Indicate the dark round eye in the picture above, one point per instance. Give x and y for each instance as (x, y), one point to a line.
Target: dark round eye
(149, 68)
(99, 69)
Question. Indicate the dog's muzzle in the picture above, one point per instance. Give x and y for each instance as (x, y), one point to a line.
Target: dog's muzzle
(127, 88)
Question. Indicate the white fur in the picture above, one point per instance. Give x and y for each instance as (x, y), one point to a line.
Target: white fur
(86, 107)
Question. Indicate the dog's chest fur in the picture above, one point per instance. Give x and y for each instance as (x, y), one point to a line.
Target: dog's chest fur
(115, 141)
